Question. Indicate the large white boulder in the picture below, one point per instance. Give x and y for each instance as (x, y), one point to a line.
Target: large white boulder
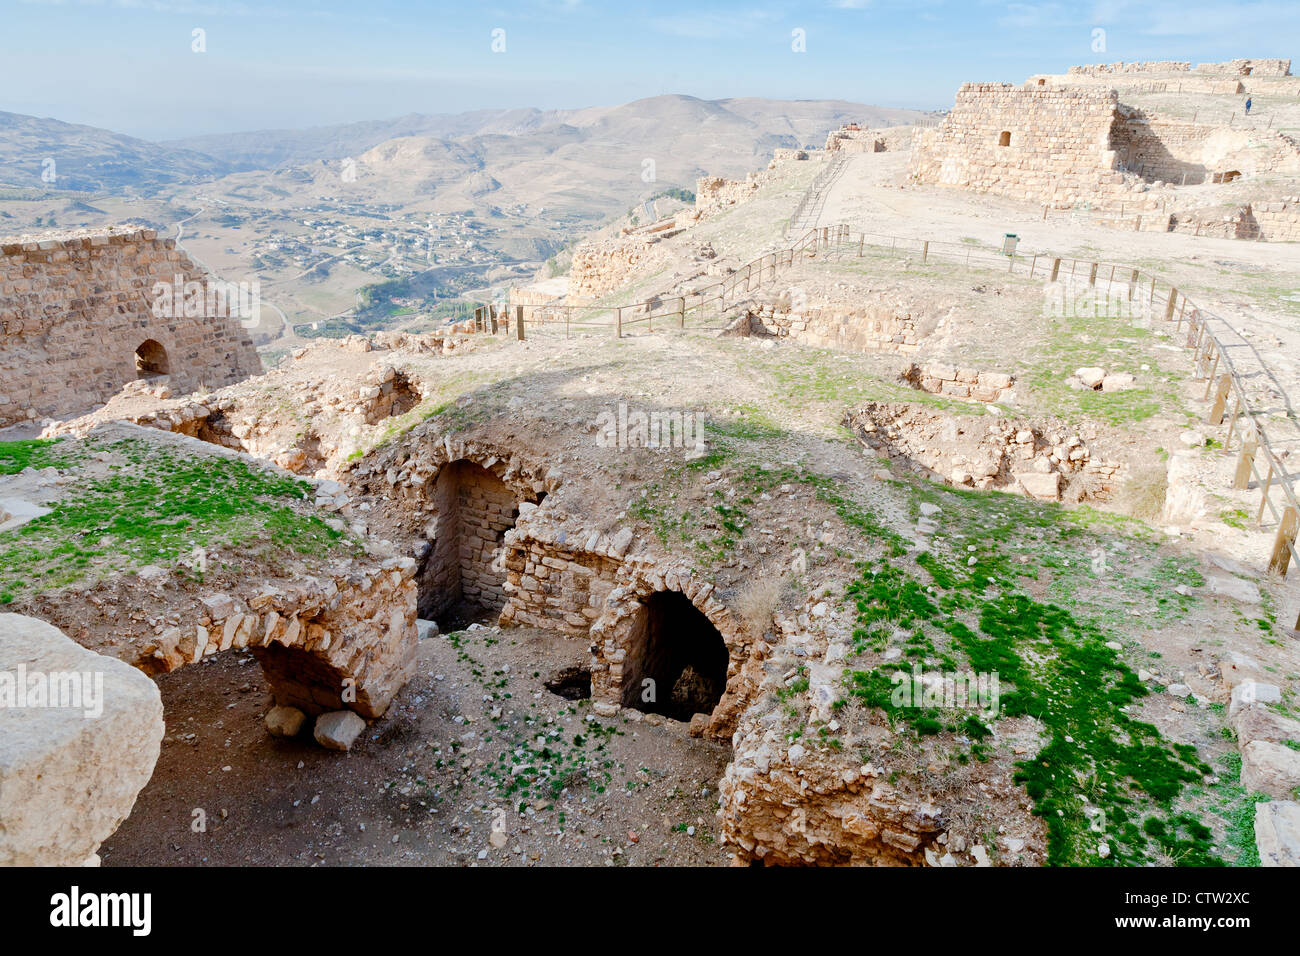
(79, 736)
(1277, 833)
(1270, 768)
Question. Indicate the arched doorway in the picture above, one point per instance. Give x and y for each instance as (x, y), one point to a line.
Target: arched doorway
(676, 662)
(462, 576)
(151, 360)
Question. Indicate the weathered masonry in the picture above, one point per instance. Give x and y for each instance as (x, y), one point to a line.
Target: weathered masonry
(1065, 146)
(77, 322)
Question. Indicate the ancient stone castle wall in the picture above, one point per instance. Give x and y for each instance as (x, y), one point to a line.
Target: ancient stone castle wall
(1247, 67)
(1158, 148)
(1050, 145)
(1168, 82)
(715, 192)
(74, 309)
(1149, 66)
(1277, 221)
(601, 267)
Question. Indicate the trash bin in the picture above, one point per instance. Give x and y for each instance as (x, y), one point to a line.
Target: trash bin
(1009, 240)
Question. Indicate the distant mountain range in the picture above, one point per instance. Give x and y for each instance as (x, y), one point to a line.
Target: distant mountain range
(89, 159)
(685, 136)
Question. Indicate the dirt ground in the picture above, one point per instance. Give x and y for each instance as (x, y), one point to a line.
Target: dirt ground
(425, 783)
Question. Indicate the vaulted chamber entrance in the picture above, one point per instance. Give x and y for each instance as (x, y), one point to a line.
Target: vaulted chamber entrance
(463, 572)
(676, 662)
(151, 360)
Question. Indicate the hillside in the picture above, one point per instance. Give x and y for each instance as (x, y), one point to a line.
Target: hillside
(764, 123)
(86, 158)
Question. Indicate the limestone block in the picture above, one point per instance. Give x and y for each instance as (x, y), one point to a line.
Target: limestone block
(69, 775)
(1270, 768)
(284, 721)
(1277, 833)
(338, 730)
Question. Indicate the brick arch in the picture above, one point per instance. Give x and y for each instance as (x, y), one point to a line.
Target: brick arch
(152, 359)
(618, 637)
(340, 640)
(477, 492)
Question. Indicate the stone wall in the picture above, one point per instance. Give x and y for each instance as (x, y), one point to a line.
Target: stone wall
(601, 267)
(74, 309)
(1142, 82)
(1158, 148)
(1044, 459)
(1148, 66)
(1048, 145)
(474, 510)
(715, 192)
(1277, 221)
(956, 382)
(1065, 147)
(344, 638)
(851, 139)
(864, 328)
(617, 663)
(1264, 67)
(554, 581)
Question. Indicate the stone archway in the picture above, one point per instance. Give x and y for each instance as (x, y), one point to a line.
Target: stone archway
(151, 360)
(462, 575)
(676, 661)
(661, 625)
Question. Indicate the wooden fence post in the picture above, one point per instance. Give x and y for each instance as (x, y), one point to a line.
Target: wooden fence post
(1056, 270)
(1285, 540)
(925, 250)
(1169, 306)
(519, 322)
(1220, 400)
(1246, 461)
(681, 311)
(1263, 497)
(618, 322)
(1092, 275)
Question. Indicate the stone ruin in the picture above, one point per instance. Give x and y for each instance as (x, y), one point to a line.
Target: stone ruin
(1239, 67)
(79, 322)
(490, 549)
(329, 414)
(1068, 146)
(855, 139)
(1047, 460)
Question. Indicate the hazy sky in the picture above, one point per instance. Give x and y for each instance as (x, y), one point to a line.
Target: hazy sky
(131, 66)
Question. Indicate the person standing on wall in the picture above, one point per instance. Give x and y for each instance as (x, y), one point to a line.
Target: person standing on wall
(1248, 106)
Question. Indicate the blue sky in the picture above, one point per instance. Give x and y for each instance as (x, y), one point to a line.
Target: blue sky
(129, 65)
